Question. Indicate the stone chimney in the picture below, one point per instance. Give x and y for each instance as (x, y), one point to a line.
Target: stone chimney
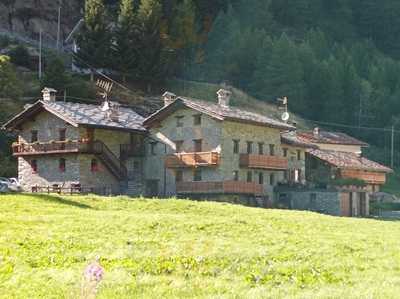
(168, 98)
(49, 94)
(316, 132)
(114, 112)
(224, 97)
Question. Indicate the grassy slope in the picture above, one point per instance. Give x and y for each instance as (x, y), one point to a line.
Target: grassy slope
(181, 249)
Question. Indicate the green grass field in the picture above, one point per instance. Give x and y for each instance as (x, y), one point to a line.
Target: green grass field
(184, 249)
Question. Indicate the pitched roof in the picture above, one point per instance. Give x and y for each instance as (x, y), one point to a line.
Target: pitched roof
(82, 114)
(218, 112)
(345, 160)
(291, 138)
(326, 137)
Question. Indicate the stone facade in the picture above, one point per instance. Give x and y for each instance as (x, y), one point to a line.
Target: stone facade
(217, 136)
(297, 164)
(350, 202)
(77, 166)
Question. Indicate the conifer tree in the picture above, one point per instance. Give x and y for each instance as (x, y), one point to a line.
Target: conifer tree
(151, 66)
(125, 46)
(55, 75)
(95, 39)
(9, 84)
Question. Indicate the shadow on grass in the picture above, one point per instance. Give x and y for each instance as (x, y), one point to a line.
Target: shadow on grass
(60, 200)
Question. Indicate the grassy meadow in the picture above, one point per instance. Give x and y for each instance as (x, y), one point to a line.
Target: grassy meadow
(184, 249)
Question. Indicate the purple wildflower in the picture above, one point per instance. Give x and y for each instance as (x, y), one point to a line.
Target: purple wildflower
(94, 272)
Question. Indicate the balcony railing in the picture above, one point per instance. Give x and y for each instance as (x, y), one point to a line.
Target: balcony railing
(222, 187)
(192, 159)
(376, 178)
(263, 162)
(41, 148)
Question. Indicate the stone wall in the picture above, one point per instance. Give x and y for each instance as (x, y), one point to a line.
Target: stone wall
(100, 180)
(166, 135)
(246, 132)
(48, 172)
(48, 127)
(327, 202)
(294, 162)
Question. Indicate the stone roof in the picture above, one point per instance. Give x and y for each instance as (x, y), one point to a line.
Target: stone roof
(291, 138)
(326, 137)
(345, 160)
(83, 114)
(219, 112)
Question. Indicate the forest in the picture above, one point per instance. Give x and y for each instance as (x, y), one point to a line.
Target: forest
(336, 61)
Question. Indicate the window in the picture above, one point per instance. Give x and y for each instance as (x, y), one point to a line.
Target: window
(179, 146)
(298, 155)
(94, 166)
(34, 166)
(272, 179)
(249, 147)
(34, 136)
(236, 175)
(61, 165)
(179, 176)
(179, 121)
(260, 178)
(261, 148)
(272, 150)
(285, 152)
(197, 175)
(197, 145)
(236, 146)
(249, 176)
(153, 147)
(197, 120)
(63, 134)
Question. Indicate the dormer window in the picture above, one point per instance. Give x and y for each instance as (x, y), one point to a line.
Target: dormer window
(179, 121)
(34, 136)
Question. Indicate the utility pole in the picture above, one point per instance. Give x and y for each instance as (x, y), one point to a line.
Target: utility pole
(392, 149)
(59, 25)
(40, 54)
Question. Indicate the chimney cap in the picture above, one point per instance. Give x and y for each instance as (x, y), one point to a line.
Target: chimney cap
(169, 94)
(49, 90)
(224, 92)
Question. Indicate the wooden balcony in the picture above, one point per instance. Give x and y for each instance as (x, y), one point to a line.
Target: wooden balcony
(263, 162)
(192, 160)
(45, 148)
(375, 178)
(223, 187)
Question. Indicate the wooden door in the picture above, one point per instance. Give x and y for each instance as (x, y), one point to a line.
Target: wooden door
(345, 204)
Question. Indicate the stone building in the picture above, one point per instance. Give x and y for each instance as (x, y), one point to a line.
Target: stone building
(339, 180)
(75, 146)
(212, 149)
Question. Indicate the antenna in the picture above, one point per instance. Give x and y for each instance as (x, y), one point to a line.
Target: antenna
(105, 88)
(285, 116)
(283, 105)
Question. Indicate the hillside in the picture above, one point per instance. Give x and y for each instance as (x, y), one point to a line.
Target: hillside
(184, 249)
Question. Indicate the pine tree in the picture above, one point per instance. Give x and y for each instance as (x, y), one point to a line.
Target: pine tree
(55, 75)
(282, 75)
(151, 65)
(95, 39)
(125, 47)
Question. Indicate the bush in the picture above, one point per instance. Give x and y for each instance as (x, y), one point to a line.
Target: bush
(20, 56)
